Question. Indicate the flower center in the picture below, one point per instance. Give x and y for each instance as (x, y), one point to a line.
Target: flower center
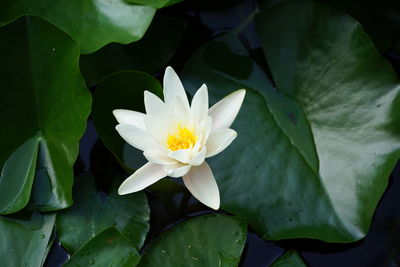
(182, 139)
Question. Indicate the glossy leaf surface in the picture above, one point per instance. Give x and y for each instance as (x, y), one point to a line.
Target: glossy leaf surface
(108, 248)
(320, 147)
(44, 107)
(93, 212)
(24, 240)
(155, 3)
(92, 24)
(211, 240)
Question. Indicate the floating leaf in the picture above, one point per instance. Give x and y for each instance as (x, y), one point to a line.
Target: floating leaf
(92, 24)
(211, 240)
(316, 154)
(94, 211)
(108, 248)
(24, 240)
(44, 107)
(155, 3)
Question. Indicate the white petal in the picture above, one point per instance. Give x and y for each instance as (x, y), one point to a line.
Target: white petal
(131, 117)
(219, 140)
(199, 158)
(206, 125)
(177, 170)
(199, 106)
(154, 105)
(148, 174)
(181, 155)
(201, 183)
(224, 112)
(158, 129)
(158, 156)
(181, 112)
(136, 137)
(173, 87)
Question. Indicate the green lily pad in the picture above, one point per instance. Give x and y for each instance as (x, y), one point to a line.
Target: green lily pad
(155, 3)
(24, 240)
(211, 240)
(108, 248)
(43, 111)
(149, 54)
(92, 24)
(289, 259)
(94, 212)
(316, 153)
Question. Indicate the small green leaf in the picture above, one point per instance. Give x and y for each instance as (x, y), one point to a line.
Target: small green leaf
(94, 211)
(24, 240)
(43, 111)
(211, 240)
(121, 90)
(108, 248)
(155, 3)
(289, 259)
(124, 90)
(149, 54)
(91, 23)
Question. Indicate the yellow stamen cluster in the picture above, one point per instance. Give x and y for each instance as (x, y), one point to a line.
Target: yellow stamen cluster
(182, 139)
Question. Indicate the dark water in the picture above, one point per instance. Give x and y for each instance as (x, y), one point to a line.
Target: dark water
(205, 20)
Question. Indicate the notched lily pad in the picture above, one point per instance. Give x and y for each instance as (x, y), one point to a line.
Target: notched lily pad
(43, 111)
(313, 155)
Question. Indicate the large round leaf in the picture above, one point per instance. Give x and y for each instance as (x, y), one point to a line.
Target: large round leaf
(24, 240)
(91, 23)
(211, 240)
(43, 112)
(94, 211)
(312, 159)
(148, 54)
(353, 114)
(108, 248)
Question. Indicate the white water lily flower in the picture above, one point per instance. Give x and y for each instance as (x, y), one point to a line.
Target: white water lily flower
(176, 138)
